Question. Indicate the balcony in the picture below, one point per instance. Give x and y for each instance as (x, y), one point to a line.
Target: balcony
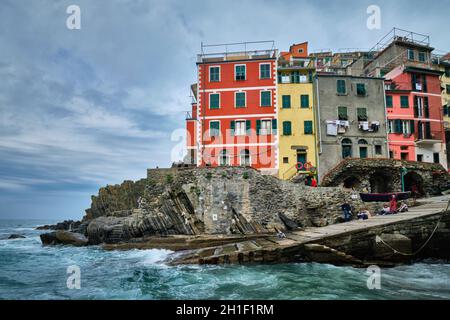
(426, 137)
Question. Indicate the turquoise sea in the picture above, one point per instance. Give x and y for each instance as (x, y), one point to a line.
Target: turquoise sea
(30, 271)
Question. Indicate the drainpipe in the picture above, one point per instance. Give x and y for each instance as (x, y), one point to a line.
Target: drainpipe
(318, 125)
(386, 119)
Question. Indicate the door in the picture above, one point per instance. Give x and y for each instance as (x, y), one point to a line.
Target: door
(301, 158)
(363, 152)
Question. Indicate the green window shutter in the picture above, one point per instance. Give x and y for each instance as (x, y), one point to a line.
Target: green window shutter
(362, 114)
(304, 101)
(308, 127)
(232, 127)
(426, 109)
(411, 126)
(398, 126)
(248, 126)
(287, 128)
(360, 89)
(266, 99)
(416, 106)
(342, 113)
(389, 102)
(258, 126)
(214, 128)
(274, 126)
(286, 102)
(240, 99)
(404, 103)
(214, 101)
(341, 87)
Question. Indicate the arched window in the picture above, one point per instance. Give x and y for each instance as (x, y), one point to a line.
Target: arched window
(362, 141)
(245, 158)
(224, 158)
(346, 148)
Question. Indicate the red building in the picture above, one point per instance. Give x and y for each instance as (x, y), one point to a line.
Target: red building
(233, 117)
(413, 96)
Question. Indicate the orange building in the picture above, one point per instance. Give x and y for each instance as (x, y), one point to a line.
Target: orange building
(233, 119)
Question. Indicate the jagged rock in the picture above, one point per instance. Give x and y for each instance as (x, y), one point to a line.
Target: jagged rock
(290, 224)
(16, 236)
(64, 225)
(64, 237)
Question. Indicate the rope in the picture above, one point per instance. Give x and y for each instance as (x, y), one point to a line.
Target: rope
(425, 243)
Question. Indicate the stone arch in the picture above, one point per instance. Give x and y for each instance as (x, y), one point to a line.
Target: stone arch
(413, 178)
(352, 182)
(381, 182)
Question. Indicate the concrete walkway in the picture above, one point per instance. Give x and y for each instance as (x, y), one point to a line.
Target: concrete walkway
(273, 249)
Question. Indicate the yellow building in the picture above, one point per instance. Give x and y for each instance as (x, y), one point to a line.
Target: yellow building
(296, 117)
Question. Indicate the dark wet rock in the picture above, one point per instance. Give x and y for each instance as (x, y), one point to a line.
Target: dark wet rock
(64, 237)
(290, 224)
(16, 236)
(68, 225)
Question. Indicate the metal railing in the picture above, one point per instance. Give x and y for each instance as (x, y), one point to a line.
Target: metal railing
(249, 50)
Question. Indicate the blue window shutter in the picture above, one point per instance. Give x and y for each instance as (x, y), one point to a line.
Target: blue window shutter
(248, 126)
(232, 126)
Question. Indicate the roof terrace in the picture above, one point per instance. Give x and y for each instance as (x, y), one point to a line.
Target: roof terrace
(253, 50)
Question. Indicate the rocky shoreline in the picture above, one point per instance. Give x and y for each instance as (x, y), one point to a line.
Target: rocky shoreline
(204, 201)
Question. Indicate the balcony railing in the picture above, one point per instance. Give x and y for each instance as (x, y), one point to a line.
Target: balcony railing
(189, 116)
(239, 51)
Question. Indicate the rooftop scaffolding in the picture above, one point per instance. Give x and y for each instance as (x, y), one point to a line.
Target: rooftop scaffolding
(237, 51)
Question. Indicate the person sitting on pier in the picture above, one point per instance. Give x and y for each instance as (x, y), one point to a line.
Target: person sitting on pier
(364, 215)
(385, 210)
(403, 207)
(281, 235)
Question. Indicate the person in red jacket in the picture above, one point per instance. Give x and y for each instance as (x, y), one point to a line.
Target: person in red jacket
(313, 182)
(393, 205)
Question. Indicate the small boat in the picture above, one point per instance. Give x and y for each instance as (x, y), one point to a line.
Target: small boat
(384, 197)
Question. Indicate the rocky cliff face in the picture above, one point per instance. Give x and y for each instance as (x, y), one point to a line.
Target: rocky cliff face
(192, 201)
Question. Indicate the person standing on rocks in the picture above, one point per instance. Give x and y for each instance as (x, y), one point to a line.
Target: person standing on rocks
(393, 204)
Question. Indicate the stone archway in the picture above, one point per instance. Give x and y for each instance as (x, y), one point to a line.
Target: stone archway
(352, 182)
(380, 182)
(414, 179)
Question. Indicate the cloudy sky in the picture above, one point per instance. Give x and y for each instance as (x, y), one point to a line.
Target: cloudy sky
(83, 108)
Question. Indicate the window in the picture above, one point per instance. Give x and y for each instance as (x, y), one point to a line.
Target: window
(214, 74)
(295, 77)
(342, 113)
(214, 128)
(422, 56)
(436, 157)
(304, 101)
(264, 71)
(389, 102)
(285, 160)
(286, 101)
(244, 158)
(447, 72)
(360, 89)
(239, 72)
(410, 54)
(224, 158)
(266, 98)
(448, 88)
(214, 101)
(239, 100)
(263, 127)
(287, 128)
(308, 127)
(362, 114)
(346, 148)
(406, 127)
(420, 157)
(341, 87)
(404, 155)
(240, 128)
(390, 126)
(378, 149)
(404, 102)
(445, 110)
